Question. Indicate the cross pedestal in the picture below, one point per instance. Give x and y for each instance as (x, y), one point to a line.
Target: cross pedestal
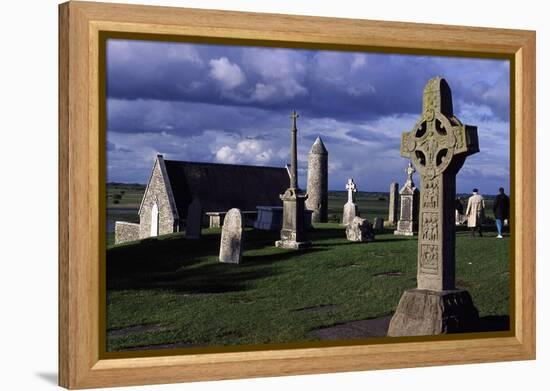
(438, 146)
(293, 230)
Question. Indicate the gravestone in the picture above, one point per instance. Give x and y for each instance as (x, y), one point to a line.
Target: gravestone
(293, 231)
(408, 215)
(350, 207)
(438, 145)
(194, 220)
(359, 230)
(460, 218)
(378, 224)
(393, 214)
(231, 242)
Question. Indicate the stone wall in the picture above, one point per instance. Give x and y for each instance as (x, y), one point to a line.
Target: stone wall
(157, 192)
(126, 232)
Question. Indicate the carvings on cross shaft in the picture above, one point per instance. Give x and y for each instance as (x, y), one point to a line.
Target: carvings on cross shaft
(430, 226)
(430, 194)
(428, 259)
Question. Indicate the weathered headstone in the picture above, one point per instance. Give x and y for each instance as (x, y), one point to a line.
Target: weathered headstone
(317, 182)
(378, 224)
(438, 145)
(293, 231)
(126, 232)
(194, 220)
(350, 207)
(460, 218)
(408, 216)
(231, 242)
(359, 230)
(393, 214)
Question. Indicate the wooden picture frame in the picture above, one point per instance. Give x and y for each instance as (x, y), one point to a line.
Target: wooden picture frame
(81, 364)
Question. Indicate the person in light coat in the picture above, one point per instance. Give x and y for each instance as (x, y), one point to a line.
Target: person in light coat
(475, 212)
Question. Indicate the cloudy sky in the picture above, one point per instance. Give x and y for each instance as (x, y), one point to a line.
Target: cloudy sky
(231, 104)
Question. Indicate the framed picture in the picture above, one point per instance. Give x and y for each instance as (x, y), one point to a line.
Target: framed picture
(247, 195)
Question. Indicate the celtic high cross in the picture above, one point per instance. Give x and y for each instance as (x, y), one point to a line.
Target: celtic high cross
(438, 146)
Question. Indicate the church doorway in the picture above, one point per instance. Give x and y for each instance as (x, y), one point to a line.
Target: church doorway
(155, 220)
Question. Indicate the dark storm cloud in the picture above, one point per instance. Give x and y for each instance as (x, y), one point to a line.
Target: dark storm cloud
(179, 117)
(231, 104)
(321, 83)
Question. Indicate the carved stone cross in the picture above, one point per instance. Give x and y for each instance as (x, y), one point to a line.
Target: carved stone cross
(438, 146)
(293, 231)
(293, 152)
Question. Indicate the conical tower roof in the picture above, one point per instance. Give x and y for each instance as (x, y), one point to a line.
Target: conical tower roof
(318, 147)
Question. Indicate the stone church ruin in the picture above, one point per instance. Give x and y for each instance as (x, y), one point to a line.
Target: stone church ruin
(174, 185)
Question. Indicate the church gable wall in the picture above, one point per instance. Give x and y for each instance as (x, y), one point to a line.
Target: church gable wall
(156, 191)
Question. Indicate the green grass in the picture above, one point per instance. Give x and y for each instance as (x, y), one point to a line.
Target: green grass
(171, 290)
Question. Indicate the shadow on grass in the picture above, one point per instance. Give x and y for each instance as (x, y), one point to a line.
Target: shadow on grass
(494, 323)
(272, 258)
(200, 279)
(153, 255)
(176, 264)
(395, 239)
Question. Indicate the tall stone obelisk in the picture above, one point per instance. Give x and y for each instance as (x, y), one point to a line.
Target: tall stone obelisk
(438, 146)
(293, 232)
(317, 182)
(393, 210)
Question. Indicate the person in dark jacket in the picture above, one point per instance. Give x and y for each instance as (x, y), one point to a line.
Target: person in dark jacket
(501, 209)
(459, 207)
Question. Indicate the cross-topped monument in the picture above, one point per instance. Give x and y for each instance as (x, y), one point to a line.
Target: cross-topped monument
(438, 146)
(293, 152)
(352, 189)
(293, 231)
(410, 171)
(350, 207)
(408, 211)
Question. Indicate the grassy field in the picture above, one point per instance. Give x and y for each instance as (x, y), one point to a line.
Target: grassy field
(171, 292)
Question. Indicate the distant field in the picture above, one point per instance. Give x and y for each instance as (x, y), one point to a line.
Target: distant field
(122, 195)
(123, 201)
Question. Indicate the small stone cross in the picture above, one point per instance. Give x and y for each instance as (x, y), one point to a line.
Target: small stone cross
(351, 188)
(294, 116)
(410, 171)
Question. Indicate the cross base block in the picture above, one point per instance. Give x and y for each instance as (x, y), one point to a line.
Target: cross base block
(427, 312)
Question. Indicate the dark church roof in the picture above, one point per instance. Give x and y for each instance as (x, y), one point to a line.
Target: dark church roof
(221, 187)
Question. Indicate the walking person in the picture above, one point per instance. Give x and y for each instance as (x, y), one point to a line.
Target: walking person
(501, 209)
(475, 212)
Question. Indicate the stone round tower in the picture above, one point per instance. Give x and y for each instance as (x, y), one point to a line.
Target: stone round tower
(317, 182)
